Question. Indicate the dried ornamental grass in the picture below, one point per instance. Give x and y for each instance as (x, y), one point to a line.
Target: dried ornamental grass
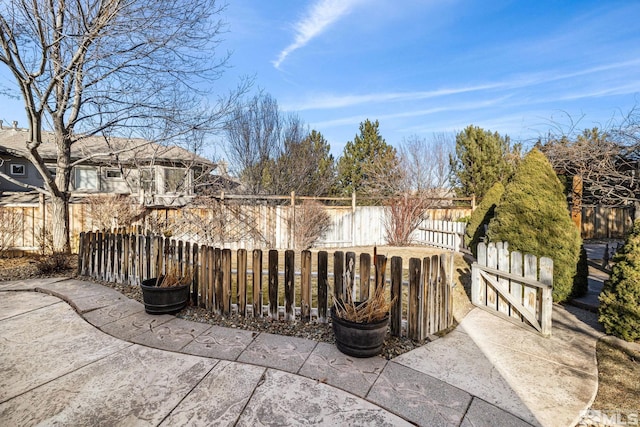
(174, 277)
(374, 309)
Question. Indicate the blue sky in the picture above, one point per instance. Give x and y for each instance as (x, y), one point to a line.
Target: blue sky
(517, 67)
(420, 67)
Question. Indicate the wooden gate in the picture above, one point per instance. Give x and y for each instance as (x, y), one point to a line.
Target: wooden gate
(513, 286)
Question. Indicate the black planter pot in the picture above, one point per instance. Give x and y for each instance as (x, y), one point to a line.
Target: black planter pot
(359, 339)
(163, 300)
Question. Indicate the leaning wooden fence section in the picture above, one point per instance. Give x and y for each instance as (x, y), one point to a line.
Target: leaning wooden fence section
(423, 303)
(513, 286)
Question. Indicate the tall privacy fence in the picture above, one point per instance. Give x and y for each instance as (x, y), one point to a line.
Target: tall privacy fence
(236, 224)
(513, 286)
(230, 221)
(283, 285)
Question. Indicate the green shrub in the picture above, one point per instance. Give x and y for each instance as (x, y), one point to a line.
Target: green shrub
(581, 280)
(533, 217)
(619, 310)
(481, 216)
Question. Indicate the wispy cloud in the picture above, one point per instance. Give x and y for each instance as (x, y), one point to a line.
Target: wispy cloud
(463, 106)
(317, 19)
(329, 102)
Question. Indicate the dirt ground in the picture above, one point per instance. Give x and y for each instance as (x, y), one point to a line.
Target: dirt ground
(618, 380)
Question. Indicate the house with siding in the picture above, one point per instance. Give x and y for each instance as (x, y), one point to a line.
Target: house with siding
(154, 174)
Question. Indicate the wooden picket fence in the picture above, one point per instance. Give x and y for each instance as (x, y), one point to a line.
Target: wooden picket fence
(422, 296)
(441, 234)
(513, 286)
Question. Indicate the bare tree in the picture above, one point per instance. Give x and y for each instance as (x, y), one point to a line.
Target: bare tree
(602, 165)
(254, 140)
(274, 153)
(114, 67)
(425, 162)
(425, 172)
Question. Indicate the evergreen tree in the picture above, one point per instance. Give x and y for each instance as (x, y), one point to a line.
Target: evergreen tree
(481, 159)
(304, 166)
(619, 310)
(481, 216)
(533, 217)
(368, 164)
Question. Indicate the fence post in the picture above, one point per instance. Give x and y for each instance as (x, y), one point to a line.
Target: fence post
(365, 276)
(217, 284)
(350, 276)
(195, 269)
(305, 285)
(413, 315)
(338, 275)
(226, 281)
(323, 285)
(396, 296)
(81, 254)
(546, 277)
(273, 284)
(256, 279)
(380, 267)
(425, 294)
(242, 281)
(289, 285)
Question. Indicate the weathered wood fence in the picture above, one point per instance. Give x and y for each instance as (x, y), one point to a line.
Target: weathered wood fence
(513, 286)
(421, 295)
(441, 234)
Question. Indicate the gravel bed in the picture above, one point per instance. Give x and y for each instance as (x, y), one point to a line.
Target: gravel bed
(30, 267)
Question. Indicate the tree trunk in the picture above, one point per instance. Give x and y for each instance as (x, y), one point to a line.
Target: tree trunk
(60, 224)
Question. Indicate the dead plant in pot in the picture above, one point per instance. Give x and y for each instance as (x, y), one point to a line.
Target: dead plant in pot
(360, 327)
(167, 293)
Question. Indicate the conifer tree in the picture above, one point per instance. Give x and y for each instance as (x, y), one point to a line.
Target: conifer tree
(481, 159)
(619, 310)
(534, 218)
(368, 164)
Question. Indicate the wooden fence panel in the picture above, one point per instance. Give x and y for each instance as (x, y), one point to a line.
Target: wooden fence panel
(214, 287)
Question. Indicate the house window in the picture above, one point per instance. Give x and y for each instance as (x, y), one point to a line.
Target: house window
(86, 179)
(148, 180)
(18, 169)
(113, 174)
(174, 180)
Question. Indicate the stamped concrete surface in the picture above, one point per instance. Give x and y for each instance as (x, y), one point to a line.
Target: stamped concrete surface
(89, 356)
